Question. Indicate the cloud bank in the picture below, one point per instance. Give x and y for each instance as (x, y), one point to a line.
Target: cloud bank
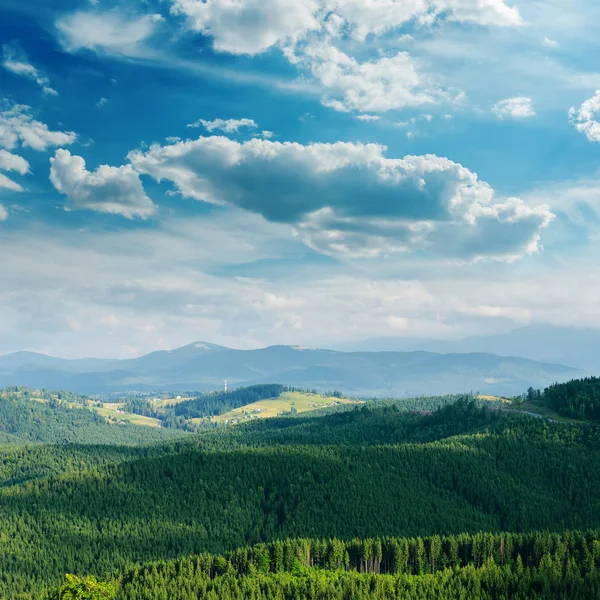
(349, 198)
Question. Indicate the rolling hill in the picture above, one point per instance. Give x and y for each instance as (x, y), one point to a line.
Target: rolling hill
(204, 366)
(372, 471)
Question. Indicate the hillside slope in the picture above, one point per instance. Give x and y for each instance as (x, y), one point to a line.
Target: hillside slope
(360, 473)
(24, 419)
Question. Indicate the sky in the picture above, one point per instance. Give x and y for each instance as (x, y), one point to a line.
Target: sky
(258, 172)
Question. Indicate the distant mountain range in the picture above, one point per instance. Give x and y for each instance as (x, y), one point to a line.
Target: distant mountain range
(576, 347)
(204, 366)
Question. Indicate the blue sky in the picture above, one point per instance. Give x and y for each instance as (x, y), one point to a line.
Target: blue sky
(254, 172)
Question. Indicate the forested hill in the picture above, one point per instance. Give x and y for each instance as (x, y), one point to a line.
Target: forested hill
(478, 567)
(60, 417)
(217, 403)
(578, 398)
(367, 472)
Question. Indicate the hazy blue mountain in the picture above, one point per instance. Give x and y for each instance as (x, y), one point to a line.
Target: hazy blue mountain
(203, 366)
(578, 348)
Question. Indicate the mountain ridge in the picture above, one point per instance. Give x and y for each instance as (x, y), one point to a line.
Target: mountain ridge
(205, 366)
(577, 347)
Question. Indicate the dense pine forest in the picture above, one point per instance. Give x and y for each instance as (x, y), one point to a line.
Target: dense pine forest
(478, 567)
(373, 471)
(579, 398)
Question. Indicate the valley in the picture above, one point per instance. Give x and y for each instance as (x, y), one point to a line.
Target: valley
(305, 491)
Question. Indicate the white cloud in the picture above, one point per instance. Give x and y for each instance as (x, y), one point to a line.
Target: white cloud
(112, 31)
(378, 85)
(515, 108)
(16, 62)
(365, 17)
(17, 126)
(321, 36)
(585, 118)
(101, 102)
(368, 117)
(253, 26)
(116, 190)
(13, 162)
(550, 43)
(267, 134)
(159, 283)
(3, 212)
(346, 198)
(9, 184)
(226, 125)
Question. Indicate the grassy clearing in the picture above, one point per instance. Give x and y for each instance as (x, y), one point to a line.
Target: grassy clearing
(119, 415)
(546, 411)
(494, 398)
(169, 401)
(278, 406)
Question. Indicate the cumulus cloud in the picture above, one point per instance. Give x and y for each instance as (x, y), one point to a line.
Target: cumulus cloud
(254, 26)
(349, 198)
(116, 190)
(226, 125)
(378, 85)
(313, 34)
(16, 62)
(585, 117)
(17, 126)
(112, 31)
(11, 162)
(364, 17)
(515, 108)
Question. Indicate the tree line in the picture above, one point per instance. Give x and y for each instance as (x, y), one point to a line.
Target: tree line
(481, 566)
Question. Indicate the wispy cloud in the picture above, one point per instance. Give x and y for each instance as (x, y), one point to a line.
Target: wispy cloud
(16, 62)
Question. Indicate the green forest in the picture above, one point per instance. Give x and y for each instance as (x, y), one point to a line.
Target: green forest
(481, 566)
(579, 398)
(372, 472)
(62, 418)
